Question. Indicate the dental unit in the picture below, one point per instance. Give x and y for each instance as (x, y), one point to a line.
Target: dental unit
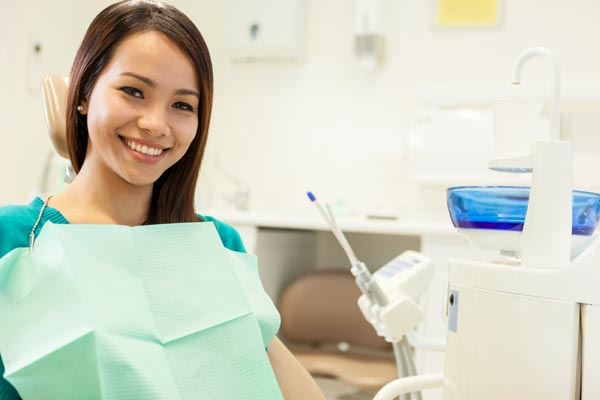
(523, 325)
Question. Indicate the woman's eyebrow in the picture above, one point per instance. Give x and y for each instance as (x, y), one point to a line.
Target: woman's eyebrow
(144, 79)
(153, 84)
(187, 92)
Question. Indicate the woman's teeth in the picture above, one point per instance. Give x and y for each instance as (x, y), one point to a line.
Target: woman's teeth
(141, 148)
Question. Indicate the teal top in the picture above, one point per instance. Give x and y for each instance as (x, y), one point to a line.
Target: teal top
(16, 223)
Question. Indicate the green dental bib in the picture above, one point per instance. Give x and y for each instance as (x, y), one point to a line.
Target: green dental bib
(149, 312)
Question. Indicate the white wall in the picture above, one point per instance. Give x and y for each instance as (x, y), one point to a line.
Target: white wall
(326, 124)
(5, 13)
(58, 26)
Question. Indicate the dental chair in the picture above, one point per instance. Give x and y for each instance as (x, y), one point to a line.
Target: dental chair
(54, 91)
(325, 330)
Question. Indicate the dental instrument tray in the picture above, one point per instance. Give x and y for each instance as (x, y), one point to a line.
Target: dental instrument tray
(504, 208)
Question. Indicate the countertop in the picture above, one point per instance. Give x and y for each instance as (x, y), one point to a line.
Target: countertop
(413, 225)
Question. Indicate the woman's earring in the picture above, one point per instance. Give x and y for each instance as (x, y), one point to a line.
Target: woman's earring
(70, 174)
(80, 109)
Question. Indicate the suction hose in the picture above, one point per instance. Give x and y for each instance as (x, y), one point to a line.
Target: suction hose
(409, 385)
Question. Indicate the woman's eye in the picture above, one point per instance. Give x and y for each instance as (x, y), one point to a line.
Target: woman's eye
(183, 106)
(133, 92)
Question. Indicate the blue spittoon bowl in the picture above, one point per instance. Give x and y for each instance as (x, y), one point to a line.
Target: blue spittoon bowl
(504, 208)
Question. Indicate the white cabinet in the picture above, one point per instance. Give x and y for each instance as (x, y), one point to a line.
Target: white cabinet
(490, 328)
(590, 384)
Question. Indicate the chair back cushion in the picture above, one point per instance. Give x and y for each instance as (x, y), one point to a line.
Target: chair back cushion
(321, 307)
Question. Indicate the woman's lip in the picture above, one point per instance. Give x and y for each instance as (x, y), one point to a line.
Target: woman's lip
(147, 159)
(145, 142)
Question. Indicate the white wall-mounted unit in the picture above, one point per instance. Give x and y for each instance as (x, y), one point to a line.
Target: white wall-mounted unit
(264, 30)
(369, 31)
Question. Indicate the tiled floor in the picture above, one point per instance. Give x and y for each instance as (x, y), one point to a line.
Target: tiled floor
(336, 390)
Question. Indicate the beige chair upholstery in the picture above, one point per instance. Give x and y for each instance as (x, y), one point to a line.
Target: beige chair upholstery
(319, 317)
(54, 91)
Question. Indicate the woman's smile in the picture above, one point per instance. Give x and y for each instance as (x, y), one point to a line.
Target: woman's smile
(143, 151)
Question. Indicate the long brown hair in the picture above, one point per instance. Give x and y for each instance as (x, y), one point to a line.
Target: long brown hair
(173, 193)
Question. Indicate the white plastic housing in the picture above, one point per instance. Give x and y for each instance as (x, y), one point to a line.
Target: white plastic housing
(402, 281)
(546, 240)
(408, 274)
(590, 325)
(510, 241)
(393, 320)
(400, 317)
(510, 346)
(264, 30)
(369, 28)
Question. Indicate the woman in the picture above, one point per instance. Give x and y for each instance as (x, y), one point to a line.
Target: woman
(138, 114)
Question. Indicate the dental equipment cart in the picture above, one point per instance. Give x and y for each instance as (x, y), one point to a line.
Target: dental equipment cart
(525, 325)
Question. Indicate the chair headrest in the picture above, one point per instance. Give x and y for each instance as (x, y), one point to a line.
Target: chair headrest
(54, 90)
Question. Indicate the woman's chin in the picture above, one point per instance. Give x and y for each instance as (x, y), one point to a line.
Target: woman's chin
(140, 180)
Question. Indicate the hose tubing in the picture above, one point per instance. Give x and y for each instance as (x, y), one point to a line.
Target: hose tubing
(408, 385)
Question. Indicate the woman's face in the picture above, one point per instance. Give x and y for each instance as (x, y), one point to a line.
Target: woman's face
(142, 113)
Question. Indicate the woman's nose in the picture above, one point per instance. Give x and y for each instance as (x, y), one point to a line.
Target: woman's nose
(154, 122)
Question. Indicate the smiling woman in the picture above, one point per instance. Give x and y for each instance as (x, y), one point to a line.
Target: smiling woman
(138, 112)
(148, 70)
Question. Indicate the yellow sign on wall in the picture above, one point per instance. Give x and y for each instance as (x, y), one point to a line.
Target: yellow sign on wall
(467, 13)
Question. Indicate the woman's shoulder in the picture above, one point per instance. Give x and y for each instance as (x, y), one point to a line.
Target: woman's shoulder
(15, 212)
(228, 234)
(16, 222)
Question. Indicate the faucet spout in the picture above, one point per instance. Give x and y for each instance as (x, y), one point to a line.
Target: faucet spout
(555, 104)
